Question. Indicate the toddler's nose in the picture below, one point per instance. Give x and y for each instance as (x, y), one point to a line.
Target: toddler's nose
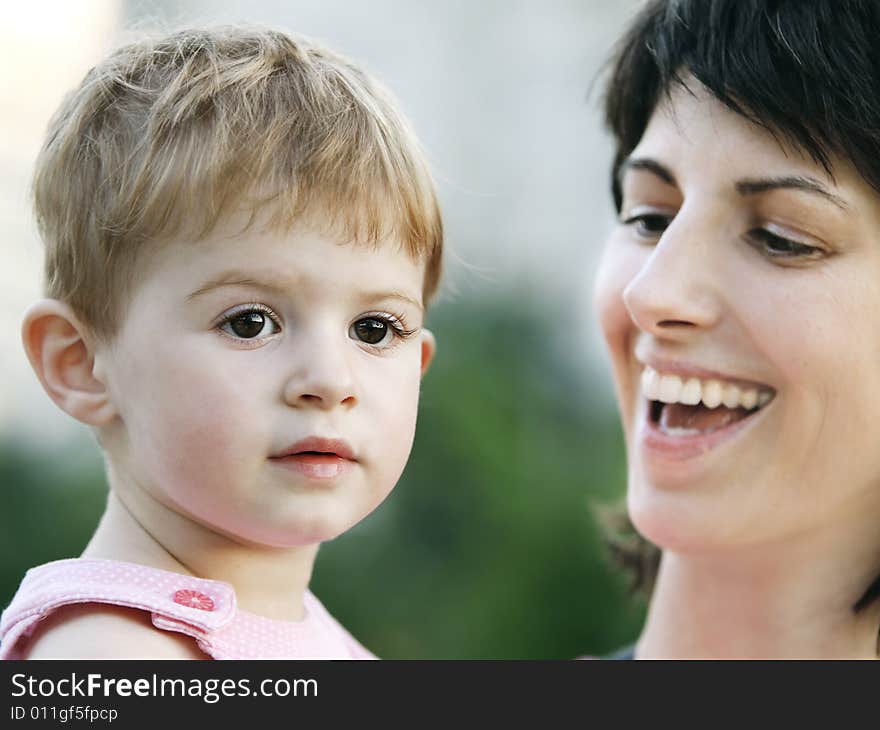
(320, 392)
(321, 378)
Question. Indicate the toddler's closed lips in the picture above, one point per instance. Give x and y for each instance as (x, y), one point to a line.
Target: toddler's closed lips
(316, 446)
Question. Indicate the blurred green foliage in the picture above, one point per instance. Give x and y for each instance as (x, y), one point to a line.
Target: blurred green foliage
(487, 548)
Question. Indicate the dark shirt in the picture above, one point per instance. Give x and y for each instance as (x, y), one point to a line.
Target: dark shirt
(627, 652)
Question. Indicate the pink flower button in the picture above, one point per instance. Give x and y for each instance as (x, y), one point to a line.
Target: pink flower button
(194, 599)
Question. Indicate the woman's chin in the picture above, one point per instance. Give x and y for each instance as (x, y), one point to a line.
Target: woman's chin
(674, 523)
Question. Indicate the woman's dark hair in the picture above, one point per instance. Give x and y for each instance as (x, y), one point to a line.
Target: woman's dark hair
(808, 71)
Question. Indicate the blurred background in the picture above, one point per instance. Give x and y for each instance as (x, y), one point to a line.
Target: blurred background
(489, 546)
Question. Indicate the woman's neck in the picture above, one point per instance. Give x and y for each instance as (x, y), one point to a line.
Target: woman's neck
(764, 602)
(268, 581)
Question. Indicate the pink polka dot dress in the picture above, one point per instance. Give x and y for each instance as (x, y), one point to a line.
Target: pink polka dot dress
(203, 609)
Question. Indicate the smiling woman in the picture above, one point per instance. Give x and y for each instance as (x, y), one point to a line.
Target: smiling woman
(739, 301)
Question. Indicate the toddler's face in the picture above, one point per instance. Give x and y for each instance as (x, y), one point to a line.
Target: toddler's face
(267, 384)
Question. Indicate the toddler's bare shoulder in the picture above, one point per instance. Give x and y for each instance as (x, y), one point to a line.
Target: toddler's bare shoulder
(101, 631)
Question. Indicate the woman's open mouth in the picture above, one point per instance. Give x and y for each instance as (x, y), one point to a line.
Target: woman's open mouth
(688, 416)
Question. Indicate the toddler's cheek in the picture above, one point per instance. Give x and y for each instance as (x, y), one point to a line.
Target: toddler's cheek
(194, 445)
(400, 429)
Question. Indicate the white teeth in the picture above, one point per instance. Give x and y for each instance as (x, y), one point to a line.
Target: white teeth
(670, 387)
(681, 432)
(650, 383)
(712, 393)
(730, 396)
(691, 393)
(749, 399)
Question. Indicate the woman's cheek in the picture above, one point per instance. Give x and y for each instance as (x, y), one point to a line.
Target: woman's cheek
(618, 266)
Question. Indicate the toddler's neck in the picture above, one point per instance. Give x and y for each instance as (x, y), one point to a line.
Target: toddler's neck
(269, 582)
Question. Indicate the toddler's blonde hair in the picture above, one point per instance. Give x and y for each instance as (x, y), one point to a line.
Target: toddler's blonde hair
(166, 137)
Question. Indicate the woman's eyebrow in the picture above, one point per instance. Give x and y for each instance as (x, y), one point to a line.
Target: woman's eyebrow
(793, 182)
(649, 165)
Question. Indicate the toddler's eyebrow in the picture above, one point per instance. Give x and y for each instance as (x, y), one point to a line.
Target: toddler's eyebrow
(234, 278)
(378, 296)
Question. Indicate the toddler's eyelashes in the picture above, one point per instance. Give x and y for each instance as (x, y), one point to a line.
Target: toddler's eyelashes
(380, 330)
(256, 322)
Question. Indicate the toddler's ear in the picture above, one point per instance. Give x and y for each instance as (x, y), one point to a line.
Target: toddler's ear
(429, 347)
(62, 355)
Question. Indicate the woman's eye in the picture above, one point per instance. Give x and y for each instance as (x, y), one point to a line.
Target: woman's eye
(250, 324)
(648, 225)
(372, 331)
(779, 247)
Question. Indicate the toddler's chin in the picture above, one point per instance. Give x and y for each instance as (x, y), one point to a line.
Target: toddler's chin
(288, 536)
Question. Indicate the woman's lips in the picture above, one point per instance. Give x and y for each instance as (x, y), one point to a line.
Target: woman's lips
(688, 411)
(656, 443)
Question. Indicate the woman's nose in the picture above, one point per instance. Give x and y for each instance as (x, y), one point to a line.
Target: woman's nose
(321, 374)
(677, 291)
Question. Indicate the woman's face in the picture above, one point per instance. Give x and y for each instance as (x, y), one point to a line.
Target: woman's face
(739, 297)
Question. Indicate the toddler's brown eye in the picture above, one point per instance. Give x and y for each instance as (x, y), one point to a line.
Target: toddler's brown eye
(370, 330)
(250, 325)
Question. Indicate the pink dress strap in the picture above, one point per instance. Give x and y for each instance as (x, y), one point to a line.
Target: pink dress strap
(192, 606)
(202, 609)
